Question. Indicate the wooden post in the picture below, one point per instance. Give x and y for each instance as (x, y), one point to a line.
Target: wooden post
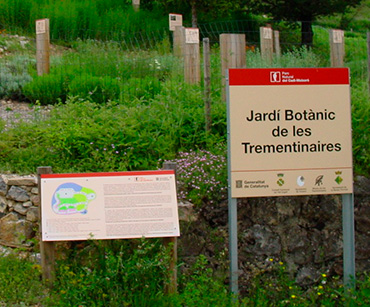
(172, 287)
(207, 83)
(277, 47)
(47, 249)
(42, 46)
(368, 58)
(179, 41)
(233, 55)
(266, 44)
(191, 56)
(336, 48)
(136, 4)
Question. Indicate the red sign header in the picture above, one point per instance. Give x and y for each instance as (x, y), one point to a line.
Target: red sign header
(289, 76)
(112, 174)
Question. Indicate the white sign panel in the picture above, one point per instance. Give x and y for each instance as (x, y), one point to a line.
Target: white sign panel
(338, 36)
(40, 26)
(267, 33)
(109, 205)
(175, 20)
(290, 132)
(192, 36)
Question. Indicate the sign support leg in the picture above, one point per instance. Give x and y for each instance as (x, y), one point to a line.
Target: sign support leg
(348, 241)
(233, 245)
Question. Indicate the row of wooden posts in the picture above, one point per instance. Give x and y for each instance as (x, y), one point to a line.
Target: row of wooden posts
(233, 50)
(186, 44)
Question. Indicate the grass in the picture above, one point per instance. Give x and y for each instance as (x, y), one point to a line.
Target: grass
(134, 273)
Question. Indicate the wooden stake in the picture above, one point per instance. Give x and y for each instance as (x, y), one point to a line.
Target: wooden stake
(266, 44)
(179, 41)
(277, 47)
(47, 249)
(171, 241)
(136, 5)
(42, 46)
(336, 48)
(233, 55)
(207, 82)
(191, 56)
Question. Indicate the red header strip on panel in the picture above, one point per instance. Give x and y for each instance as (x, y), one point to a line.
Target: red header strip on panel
(113, 174)
(289, 76)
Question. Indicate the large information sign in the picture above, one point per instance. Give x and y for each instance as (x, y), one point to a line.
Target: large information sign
(290, 132)
(120, 205)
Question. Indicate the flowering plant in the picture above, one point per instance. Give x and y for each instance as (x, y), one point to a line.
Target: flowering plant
(201, 177)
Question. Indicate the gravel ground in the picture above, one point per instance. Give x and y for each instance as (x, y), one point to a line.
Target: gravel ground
(13, 112)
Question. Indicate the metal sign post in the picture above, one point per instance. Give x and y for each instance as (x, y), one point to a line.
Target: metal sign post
(232, 212)
(349, 277)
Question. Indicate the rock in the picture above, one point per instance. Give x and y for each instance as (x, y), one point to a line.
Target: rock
(33, 214)
(18, 194)
(35, 199)
(15, 231)
(260, 240)
(362, 185)
(20, 180)
(186, 212)
(35, 191)
(307, 276)
(3, 187)
(20, 209)
(3, 204)
(27, 204)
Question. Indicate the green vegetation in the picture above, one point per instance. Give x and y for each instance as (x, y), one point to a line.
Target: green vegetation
(118, 102)
(72, 19)
(133, 273)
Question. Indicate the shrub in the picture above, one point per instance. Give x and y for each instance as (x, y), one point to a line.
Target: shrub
(47, 89)
(143, 89)
(97, 89)
(13, 76)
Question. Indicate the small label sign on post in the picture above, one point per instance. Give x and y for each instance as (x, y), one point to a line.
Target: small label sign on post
(175, 20)
(42, 46)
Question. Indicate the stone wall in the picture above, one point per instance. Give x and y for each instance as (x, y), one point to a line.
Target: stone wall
(304, 233)
(19, 210)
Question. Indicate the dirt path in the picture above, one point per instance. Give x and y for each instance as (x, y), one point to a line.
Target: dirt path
(13, 112)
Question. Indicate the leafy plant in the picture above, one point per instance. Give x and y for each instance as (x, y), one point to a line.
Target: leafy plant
(98, 89)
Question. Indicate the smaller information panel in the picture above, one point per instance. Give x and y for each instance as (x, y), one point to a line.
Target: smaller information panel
(290, 132)
(122, 205)
(175, 20)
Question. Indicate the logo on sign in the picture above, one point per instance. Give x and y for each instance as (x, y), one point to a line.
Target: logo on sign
(318, 180)
(275, 76)
(300, 181)
(280, 180)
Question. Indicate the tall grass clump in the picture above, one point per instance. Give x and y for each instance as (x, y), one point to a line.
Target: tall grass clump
(72, 19)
